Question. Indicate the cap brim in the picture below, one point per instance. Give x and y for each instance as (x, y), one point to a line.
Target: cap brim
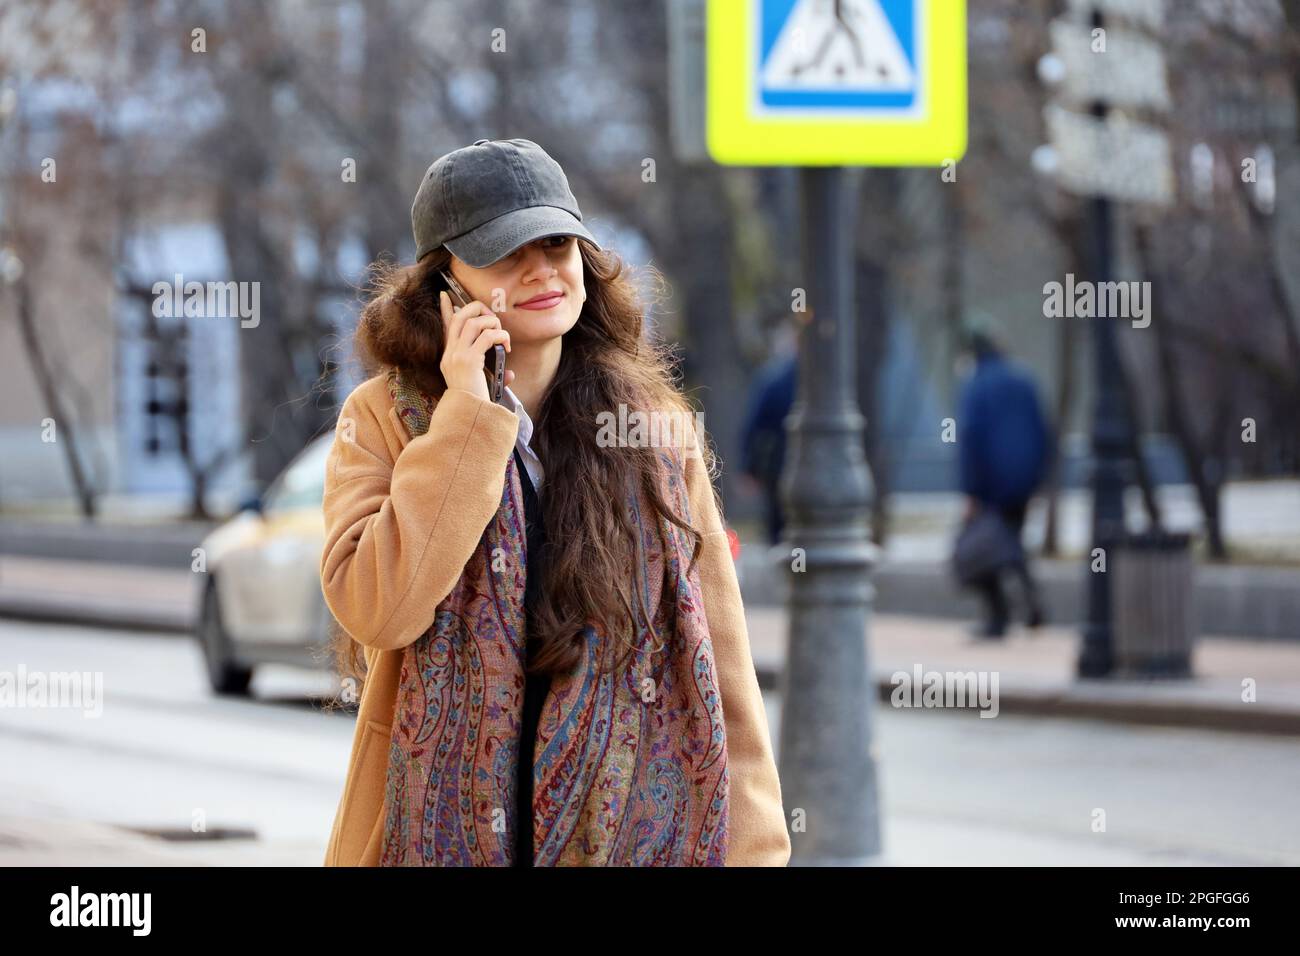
(497, 238)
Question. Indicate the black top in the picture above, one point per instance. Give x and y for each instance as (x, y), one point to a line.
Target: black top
(535, 685)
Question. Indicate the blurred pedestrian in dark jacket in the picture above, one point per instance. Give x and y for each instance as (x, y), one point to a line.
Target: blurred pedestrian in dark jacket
(771, 397)
(1004, 447)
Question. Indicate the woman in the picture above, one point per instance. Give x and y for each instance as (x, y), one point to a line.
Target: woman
(550, 622)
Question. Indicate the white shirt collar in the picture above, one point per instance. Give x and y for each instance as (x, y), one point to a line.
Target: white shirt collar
(511, 401)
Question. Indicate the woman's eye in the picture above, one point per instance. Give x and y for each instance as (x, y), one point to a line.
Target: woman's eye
(550, 242)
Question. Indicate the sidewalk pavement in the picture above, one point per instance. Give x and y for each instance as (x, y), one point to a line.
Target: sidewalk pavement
(45, 841)
(98, 593)
(908, 840)
(1035, 669)
(1036, 673)
(1252, 602)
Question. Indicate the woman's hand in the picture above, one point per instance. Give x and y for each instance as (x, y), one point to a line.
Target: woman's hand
(471, 331)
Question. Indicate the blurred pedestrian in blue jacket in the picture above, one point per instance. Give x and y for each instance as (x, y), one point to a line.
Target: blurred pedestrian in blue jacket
(1005, 448)
(763, 437)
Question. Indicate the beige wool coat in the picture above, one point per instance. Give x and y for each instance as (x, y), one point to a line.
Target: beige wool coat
(402, 518)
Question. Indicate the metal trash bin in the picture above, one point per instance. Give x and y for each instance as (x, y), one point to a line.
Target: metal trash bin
(1154, 600)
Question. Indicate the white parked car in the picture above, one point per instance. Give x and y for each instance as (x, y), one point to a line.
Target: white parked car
(262, 602)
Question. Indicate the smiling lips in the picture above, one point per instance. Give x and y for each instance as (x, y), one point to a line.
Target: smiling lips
(550, 300)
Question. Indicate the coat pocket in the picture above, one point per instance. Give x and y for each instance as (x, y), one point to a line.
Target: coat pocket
(363, 802)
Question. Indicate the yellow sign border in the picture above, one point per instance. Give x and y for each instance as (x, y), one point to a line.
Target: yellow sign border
(735, 138)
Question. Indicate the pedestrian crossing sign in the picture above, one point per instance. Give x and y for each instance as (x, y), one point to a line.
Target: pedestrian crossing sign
(836, 82)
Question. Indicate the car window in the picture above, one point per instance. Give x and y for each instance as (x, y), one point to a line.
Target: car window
(302, 484)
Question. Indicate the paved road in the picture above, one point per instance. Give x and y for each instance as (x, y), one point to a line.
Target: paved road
(957, 788)
(165, 748)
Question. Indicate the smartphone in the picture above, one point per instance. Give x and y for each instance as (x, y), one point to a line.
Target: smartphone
(494, 362)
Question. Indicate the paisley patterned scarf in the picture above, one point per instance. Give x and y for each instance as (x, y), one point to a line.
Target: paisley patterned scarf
(629, 770)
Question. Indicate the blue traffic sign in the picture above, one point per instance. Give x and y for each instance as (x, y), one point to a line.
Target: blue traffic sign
(850, 57)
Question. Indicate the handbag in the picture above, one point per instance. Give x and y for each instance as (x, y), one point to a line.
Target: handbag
(984, 546)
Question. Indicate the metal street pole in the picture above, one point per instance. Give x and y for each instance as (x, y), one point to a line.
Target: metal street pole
(827, 765)
(1109, 429)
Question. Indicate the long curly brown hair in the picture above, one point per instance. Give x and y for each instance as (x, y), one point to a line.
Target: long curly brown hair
(605, 361)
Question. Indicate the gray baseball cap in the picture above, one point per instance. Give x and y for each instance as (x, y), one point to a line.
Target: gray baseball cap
(486, 200)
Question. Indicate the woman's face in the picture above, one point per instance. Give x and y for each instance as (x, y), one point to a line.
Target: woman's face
(549, 265)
